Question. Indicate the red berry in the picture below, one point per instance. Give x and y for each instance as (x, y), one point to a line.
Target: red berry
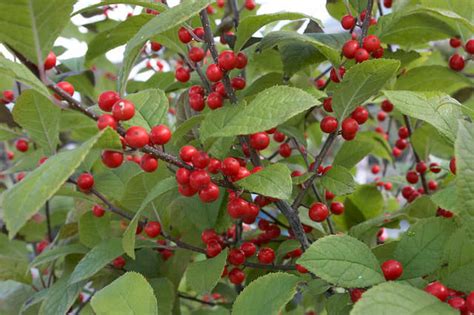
(348, 22)
(337, 207)
(22, 145)
(199, 180)
(452, 165)
(241, 60)
(469, 47)
(149, 163)
(356, 294)
(8, 96)
(236, 276)
(455, 42)
(387, 106)
(421, 167)
(266, 255)
(238, 83)
(230, 166)
(279, 136)
(66, 87)
(137, 137)
(402, 144)
(214, 166)
(220, 88)
(320, 83)
(196, 101)
(388, 186)
(236, 257)
(407, 191)
(412, 177)
(227, 60)
(186, 153)
(182, 74)
(209, 235)
(457, 303)
(196, 54)
(349, 49)
(432, 185)
(403, 132)
(123, 110)
(213, 248)
(329, 195)
(248, 248)
(199, 32)
(375, 169)
(387, 3)
(155, 46)
(456, 62)
(371, 43)
(434, 167)
(381, 116)
(153, 229)
(196, 89)
(301, 269)
(214, 100)
(187, 190)
(329, 124)
(85, 181)
(106, 120)
(361, 55)
(160, 135)
(50, 61)
(250, 4)
(284, 150)
(349, 128)
(200, 159)
(98, 211)
(333, 76)
(378, 53)
(107, 99)
(184, 35)
(243, 172)
(119, 262)
(392, 269)
(327, 104)
(220, 3)
(318, 212)
(470, 302)
(360, 114)
(236, 208)
(438, 290)
(214, 73)
(112, 159)
(182, 176)
(259, 141)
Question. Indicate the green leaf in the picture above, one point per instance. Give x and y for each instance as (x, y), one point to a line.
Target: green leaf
(31, 26)
(251, 24)
(164, 293)
(14, 260)
(446, 198)
(128, 240)
(273, 181)
(266, 295)
(61, 296)
(342, 260)
(151, 108)
(58, 252)
(19, 72)
(41, 184)
(35, 113)
(459, 258)
(425, 144)
(396, 298)
(143, 3)
(465, 175)
(269, 109)
(339, 181)
(352, 152)
(359, 5)
(432, 78)
(361, 82)
(202, 276)
(437, 109)
(7, 133)
(93, 230)
(96, 259)
(12, 295)
(159, 24)
(420, 249)
(129, 294)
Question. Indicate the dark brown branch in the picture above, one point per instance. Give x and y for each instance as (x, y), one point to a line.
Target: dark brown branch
(48, 221)
(366, 24)
(417, 157)
(270, 267)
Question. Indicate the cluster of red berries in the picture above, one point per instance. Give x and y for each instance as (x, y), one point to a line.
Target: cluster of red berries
(456, 299)
(457, 62)
(248, 4)
(319, 212)
(370, 47)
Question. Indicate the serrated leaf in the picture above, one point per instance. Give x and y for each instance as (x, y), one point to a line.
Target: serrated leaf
(61, 296)
(446, 198)
(342, 260)
(266, 295)
(40, 117)
(437, 109)
(41, 184)
(202, 276)
(396, 298)
(19, 72)
(270, 108)
(361, 82)
(165, 294)
(151, 108)
(273, 181)
(339, 181)
(129, 294)
(420, 249)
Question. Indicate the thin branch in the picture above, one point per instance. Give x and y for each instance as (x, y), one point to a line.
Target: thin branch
(275, 220)
(366, 24)
(48, 221)
(270, 267)
(415, 154)
(235, 12)
(83, 304)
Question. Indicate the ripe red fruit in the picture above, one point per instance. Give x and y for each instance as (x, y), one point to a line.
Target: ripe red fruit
(196, 54)
(182, 176)
(250, 4)
(148, 163)
(200, 159)
(241, 60)
(412, 177)
(301, 269)
(236, 276)
(356, 294)
(8, 96)
(455, 42)
(333, 76)
(196, 101)
(387, 106)
(421, 167)
(381, 116)
(259, 141)
(375, 169)
(388, 186)
(349, 49)
(402, 144)
(387, 3)
(371, 43)
(66, 87)
(407, 191)
(106, 120)
(213, 248)
(284, 150)
(214, 166)
(22, 145)
(85, 181)
(123, 110)
(248, 248)
(112, 159)
(182, 74)
(452, 165)
(349, 128)
(469, 48)
(160, 135)
(279, 136)
(187, 190)
(329, 195)
(403, 132)
(337, 207)
(227, 60)
(470, 302)
(456, 62)
(392, 269)
(50, 61)
(361, 55)
(119, 262)
(196, 89)
(243, 172)
(214, 73)
(329, 124)
(219, 87)
(199, 180)
(434, 167)
(98, 211)
(230, 166)
(208, 236)
(153, 229)
(327, 104)
(432, 185)
(318, 212)
(320, 83)
(186, 153)
(236, 257)
(378, 53)
(238, 83)
(348, 22)
(214, 100)
(438, 290)
(457, 303)
(155, 46)
(237, 208)
(107, 99)
(137, 137)
(184, 35)
(199, 32)
(266, 255)
(220, 3)
(360, 114)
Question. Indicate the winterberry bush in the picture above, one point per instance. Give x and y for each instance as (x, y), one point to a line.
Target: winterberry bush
(261, 168)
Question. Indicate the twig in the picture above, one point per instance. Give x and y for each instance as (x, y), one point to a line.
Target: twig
(274, 218)
(83, 304)
(48, 221)
(366, 24)
(415, 154)
(270, 267)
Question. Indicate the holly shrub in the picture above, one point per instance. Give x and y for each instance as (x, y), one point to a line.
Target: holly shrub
(232, 164)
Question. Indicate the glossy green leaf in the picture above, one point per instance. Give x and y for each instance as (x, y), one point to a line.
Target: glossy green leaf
(459, 257)
(19, 72)
(339, 181)
(12, 295)
(93, 230)
(14, 260)
(343, 261)
(151, 108)
(273, 181)
(202, 276)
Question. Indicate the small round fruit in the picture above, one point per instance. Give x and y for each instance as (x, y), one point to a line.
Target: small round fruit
(119, 262)
(392, 269)
(412, 177)
(112, 159)
(238, 83)
(196, 89)
(360, 114)
(137, 137)
(182, 176)
(387, 106)
(318, 212)
(199, 32)
(123, 110)
(213, 248)
(375, 169)
(250, 5)
(155, 46)
(200, 159)
(153, 229)
(214, 100)
(470, 302)
(469, 48)
(361, 55)
(107, 99)
(458, 303)
(184, 35)
(327, 104)
(279, 136)
(186, 190)
(438, 290)
(236, 276)
(227, 60)
(50, 61)
(371, 43)
(199, 180)
(337, 207)
(67, 87)
(381, 116)
(160, 135)
(403, 132)
(348, 22)
(349, 49)
(333, 76)
(284, 150)
(196, 101)
(22, 145)
(349, 128)
(182, 74)
(186, 153)
(241, 60)
(434, 167)
(236, 257)
(401, 144)
(356, 294)
(214, 73)
(266, 255)
(85, 181)
(106, 120)
(421, 167)
(196, 54)
(210, 193)
(259, 141)
(456, 62)
(214, 166)
(148, 163)
(230, 166)
(248, 248)
(432, 184)
(452, 166)
(98, 211)
(329, 124)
